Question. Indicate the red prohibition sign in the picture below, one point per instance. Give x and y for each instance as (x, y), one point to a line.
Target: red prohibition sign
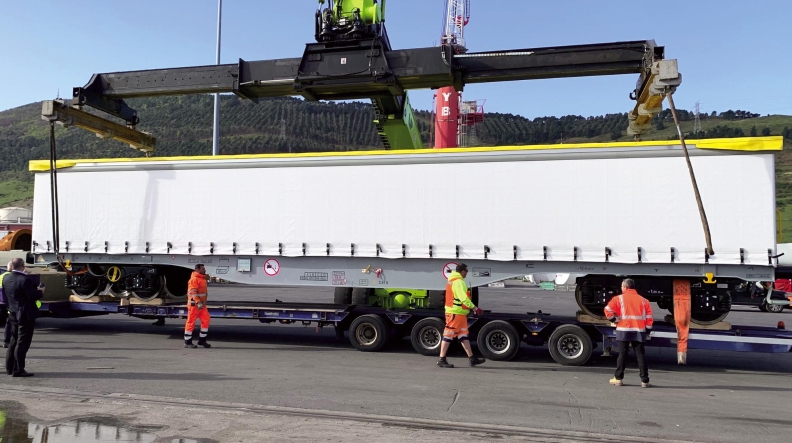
(449, 268)
(271, 267)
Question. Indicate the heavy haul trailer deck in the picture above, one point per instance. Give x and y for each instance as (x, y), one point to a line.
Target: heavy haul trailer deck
(570, 341)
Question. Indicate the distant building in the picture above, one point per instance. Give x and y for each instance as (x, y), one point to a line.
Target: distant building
(14, 219)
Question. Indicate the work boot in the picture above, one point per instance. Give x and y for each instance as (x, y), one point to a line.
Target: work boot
(616, 382)
(202, 342)
(443, 363)
(476, 361)
(645, 384)
(189, 344)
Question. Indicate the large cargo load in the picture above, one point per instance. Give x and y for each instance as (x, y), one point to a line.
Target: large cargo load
(370, 223)
(635, 199)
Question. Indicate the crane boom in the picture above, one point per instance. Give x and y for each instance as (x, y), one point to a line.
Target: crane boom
(352, 58)
(392, 73)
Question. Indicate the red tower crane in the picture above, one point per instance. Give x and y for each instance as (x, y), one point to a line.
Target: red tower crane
(453, 118)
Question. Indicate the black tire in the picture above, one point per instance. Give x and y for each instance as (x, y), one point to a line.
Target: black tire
(342, 296)
(427, 335)
(498, 340)
(570, 345)
(360, 296)
(763, 307)
(368, 333)
(436, 299)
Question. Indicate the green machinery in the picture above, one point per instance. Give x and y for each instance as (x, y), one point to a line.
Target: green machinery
(362, 22)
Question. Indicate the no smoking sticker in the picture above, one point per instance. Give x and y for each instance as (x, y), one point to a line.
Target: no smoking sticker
(271, 267)
(449, 268)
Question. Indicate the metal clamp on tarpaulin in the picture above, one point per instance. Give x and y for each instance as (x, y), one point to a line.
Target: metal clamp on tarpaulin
(56, 111)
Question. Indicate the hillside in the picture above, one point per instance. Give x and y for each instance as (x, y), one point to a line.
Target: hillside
(183, 126)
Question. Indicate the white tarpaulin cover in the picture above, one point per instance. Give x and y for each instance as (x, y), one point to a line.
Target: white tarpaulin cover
(611, 196)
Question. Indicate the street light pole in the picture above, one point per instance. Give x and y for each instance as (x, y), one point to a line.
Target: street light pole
(216, 135)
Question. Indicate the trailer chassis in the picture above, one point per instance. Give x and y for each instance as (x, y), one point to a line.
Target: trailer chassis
(570, 341)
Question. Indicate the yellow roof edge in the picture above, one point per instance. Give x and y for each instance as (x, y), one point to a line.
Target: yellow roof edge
(769, 143)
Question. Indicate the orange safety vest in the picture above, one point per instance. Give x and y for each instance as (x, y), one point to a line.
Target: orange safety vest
(633, 312)
(450, 300)
(196, 288)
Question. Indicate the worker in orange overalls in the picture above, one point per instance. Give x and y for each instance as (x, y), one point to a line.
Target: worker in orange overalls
(196, 308)
(633, 317)
(457, 307)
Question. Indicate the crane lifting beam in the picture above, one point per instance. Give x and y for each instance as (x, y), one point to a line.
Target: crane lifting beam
(58, 112)
(369, 69)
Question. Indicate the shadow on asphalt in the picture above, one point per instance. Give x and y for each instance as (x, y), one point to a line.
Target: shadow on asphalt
(71, 357)
(230, 334)
(96, 375)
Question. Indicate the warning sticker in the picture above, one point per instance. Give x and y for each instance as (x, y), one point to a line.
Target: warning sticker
(271, 267)
(339, 278)
(314, 276)
(449, 268)
(482, 272)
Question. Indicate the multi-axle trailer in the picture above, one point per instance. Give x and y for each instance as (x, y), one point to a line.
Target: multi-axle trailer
(570, 340)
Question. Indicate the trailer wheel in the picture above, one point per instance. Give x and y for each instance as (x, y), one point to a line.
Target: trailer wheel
(427, 335)
(570, 345)
(90, 286)
(436, 299)
(498, 340)
(360, 296)
(342, 296)
(368, 333)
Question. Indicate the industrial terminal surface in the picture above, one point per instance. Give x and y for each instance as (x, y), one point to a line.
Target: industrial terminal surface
(292, 383)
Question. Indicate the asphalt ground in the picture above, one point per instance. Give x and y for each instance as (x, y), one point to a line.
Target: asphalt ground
(121, 367)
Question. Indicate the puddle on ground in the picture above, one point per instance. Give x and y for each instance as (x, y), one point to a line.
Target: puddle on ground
(14, 428)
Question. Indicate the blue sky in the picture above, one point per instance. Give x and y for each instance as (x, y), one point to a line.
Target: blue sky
(732, 53)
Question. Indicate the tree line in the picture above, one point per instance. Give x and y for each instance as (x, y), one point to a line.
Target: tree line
(183, 127)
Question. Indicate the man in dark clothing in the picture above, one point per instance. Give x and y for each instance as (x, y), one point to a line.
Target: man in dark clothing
(21, 294)
(4, 309)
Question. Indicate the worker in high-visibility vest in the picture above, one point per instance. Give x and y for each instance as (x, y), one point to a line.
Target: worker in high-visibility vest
(457, 307)
(196, 308)
(633, 317)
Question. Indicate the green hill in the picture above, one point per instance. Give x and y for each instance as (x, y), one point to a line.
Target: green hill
(183, 126)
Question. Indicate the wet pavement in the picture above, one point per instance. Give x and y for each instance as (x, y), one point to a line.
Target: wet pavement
(16, 426)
